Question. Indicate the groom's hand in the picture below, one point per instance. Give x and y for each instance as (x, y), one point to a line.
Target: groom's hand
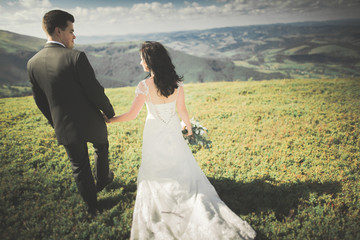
(105, 118)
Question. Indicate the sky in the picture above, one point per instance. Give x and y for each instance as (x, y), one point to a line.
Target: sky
(122, 17)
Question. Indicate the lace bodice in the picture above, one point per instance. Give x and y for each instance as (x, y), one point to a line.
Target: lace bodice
(142, 88)
(162, 111)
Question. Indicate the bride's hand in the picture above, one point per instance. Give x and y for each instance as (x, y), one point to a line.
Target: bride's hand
(190, 133)
(111, 120)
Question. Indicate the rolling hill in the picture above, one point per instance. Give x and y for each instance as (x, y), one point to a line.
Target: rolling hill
(116, 64)
(15, 51)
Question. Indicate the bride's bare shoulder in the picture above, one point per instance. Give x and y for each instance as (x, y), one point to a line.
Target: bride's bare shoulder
(149, 81)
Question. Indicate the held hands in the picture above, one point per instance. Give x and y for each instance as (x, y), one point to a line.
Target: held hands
(107, 120)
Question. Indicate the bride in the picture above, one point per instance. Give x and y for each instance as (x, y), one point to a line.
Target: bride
(174, 198)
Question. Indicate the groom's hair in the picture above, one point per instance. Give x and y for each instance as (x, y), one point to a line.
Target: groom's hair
(56, 18)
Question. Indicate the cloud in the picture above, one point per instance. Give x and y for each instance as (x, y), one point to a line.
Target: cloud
(11, 3)
(149, 16)
(35, 3)
(144, 12)
(289, 6)
(24, 16)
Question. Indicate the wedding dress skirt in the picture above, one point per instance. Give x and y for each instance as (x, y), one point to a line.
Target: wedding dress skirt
(174, 198)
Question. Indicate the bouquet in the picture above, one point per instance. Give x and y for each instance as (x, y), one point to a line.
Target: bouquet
(199, 136)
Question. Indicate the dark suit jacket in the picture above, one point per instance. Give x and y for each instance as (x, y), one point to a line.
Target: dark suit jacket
(67, 93)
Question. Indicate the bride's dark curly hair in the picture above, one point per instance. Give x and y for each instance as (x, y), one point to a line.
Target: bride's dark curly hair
(159, 63)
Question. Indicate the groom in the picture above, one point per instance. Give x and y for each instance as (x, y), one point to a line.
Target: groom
(67, 93)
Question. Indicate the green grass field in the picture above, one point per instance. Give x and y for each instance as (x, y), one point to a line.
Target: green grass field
(285, 156)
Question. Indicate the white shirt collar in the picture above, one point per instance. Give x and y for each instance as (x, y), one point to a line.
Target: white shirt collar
(56, 42)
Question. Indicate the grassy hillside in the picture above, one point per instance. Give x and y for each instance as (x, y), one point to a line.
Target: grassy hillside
(285, 157)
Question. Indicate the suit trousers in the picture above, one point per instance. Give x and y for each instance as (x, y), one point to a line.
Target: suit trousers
(80, 163)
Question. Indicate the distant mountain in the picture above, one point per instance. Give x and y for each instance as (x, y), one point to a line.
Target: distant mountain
(298, 50)
(239, 43)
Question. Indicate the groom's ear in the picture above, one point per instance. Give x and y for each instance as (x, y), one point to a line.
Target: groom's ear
(57, 31)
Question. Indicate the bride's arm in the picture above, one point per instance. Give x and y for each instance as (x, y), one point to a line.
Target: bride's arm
(132, 113)
(181, 108)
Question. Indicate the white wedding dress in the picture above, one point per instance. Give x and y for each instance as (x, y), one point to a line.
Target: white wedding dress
(174, 198)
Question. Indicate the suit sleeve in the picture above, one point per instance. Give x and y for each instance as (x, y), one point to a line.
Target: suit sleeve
(93, 89)
(40, 98)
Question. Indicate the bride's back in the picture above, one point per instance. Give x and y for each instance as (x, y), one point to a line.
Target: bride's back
(155, 96)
